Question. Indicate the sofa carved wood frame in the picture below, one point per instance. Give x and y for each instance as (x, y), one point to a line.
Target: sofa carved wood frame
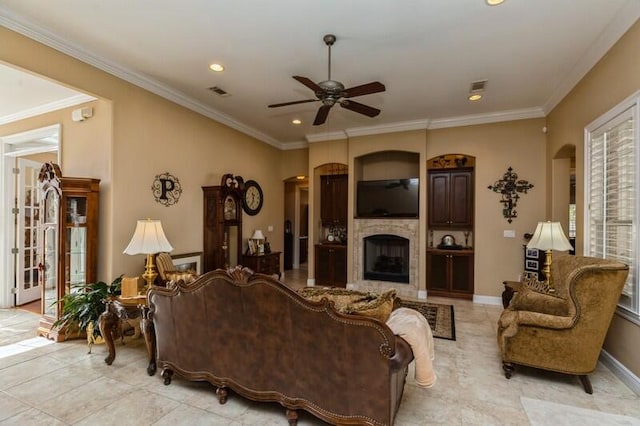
(252, 334)
(564, 331)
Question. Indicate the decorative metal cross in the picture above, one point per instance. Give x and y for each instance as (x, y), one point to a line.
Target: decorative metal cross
(508, 187)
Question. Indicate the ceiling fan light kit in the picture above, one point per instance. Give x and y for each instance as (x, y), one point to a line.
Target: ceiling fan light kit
(331, 92)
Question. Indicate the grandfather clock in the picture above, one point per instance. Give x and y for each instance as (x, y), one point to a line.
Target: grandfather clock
(69, 236)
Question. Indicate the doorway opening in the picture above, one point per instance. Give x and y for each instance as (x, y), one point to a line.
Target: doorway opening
(22, 157)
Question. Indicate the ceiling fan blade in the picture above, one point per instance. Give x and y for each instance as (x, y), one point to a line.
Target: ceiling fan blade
(310, 84)
(365, 89)
(291, 103)
(322, 114)
(360, 108)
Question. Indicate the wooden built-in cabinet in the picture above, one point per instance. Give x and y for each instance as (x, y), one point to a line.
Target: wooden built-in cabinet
(69, 234)
(331, 265)
(451, 199)
(333, 199)
(450, 273)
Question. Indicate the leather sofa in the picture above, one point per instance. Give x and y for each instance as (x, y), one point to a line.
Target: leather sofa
(252, 334)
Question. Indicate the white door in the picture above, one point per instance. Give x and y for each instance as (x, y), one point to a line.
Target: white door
(27, 221)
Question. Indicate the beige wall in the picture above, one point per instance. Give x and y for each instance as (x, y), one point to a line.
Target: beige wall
(84, 151)
(613, 79)
(146, 135)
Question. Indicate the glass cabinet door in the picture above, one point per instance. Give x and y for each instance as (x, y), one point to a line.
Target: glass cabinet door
(49, 262)
(75, 242)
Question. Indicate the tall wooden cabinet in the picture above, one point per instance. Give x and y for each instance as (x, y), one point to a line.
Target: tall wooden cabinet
(69, 236)
(451, 198)
(333, 199)
(222, 224)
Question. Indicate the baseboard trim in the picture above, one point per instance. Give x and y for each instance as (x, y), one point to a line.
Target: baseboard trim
(621, 372)
(487, 300)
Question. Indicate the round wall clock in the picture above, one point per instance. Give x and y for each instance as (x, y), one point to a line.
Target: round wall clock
(253, 198)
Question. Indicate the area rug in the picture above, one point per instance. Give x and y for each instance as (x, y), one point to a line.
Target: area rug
(440, 317)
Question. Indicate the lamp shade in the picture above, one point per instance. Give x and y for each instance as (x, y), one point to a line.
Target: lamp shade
(549, 236)
(148, 238)
(258, 235)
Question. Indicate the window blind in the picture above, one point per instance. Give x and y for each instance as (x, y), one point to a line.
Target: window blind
(612, 197)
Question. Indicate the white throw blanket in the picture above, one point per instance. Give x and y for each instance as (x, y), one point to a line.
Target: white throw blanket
(413, 327)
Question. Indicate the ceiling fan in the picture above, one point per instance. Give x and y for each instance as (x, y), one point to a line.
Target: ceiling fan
(330, 92)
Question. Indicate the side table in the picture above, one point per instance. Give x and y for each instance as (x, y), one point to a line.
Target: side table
(510, 288)
(110, 321)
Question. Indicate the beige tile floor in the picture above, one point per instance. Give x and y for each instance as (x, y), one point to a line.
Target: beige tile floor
(60, 384)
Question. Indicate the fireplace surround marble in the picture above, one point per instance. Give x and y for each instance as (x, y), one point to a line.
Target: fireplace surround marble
(405, 228)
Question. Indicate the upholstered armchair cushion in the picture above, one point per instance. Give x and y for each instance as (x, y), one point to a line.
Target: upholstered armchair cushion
(563, 331)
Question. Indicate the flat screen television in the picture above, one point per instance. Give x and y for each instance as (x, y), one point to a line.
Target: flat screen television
(388, 198)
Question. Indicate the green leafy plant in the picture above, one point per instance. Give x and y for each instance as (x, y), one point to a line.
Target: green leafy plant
(84, 304)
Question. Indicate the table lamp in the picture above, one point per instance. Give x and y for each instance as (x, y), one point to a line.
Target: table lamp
(548, 237)
(258, 237)
(148, 239)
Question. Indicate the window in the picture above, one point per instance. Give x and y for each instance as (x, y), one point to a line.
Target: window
(611, 177)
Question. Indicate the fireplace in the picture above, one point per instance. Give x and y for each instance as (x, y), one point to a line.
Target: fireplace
(386, 258)
(407, 230)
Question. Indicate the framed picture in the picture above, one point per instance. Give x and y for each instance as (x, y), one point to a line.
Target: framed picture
(530, 275)
(532, 253)
(188, 262)
(531, 264)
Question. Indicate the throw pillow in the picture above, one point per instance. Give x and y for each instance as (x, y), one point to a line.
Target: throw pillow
(174, 276)
(375, 305)
(530, 300)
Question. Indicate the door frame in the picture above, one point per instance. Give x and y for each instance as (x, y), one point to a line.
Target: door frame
(44, 139)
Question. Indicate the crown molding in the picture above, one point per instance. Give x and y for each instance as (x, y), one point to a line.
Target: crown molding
(493, 117)
(294, 145)
(625, 18)
(328, 136)
(46, 108)
(22, 26)
(402, 126)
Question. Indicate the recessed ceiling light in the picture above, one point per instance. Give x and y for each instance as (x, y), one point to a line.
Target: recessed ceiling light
(475, 97)
(296, 121)
(216, 67)
(301, 177)
(494, 2)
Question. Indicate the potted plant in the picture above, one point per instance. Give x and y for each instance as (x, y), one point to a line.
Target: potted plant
(81, 308)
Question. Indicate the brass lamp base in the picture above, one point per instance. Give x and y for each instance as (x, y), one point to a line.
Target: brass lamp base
(150, 273)
(547, 271)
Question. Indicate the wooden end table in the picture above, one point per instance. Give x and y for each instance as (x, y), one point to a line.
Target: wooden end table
(110, 322)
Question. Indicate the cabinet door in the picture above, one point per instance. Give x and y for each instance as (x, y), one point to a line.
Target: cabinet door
(339, 259)
(461, 199)
(462, 273)
(333, 199)
(439, 199)
(340, 197)
(437, 270)
(326, 201)
(323, 265)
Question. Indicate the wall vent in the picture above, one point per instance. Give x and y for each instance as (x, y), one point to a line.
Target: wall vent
(478, 86)
(218, 91)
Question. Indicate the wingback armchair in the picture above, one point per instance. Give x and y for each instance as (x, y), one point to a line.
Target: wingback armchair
(563, 331)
